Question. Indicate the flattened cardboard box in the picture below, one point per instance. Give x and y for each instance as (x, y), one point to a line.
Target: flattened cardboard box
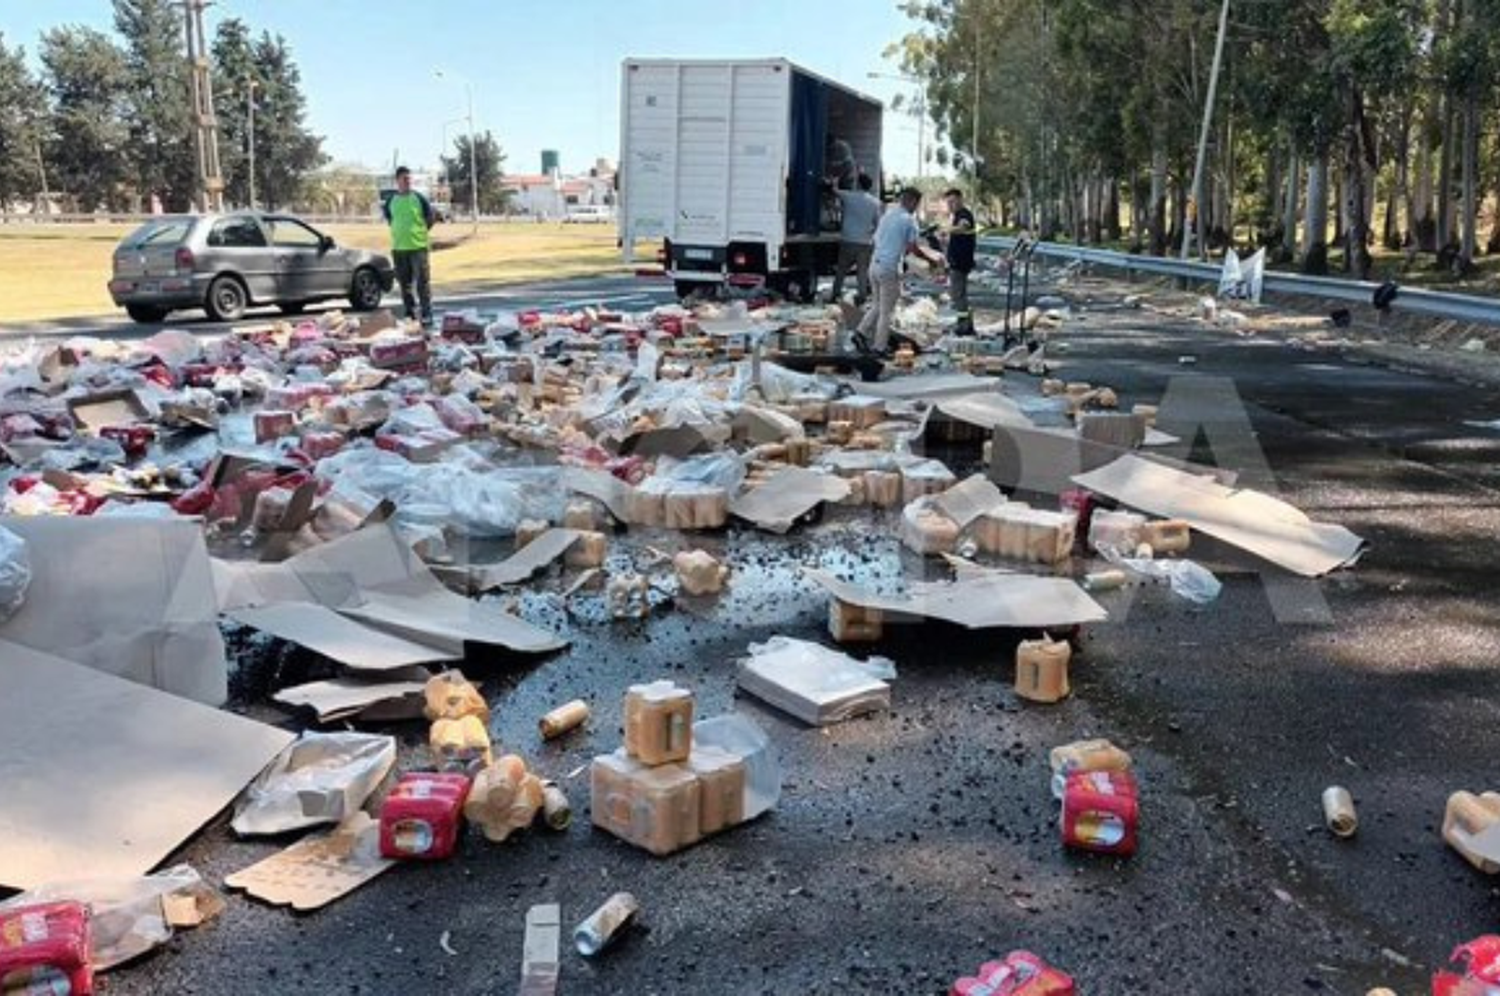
(103, 777)
(1250, 520)
(319, 869)
(129, 597)
(981, 601)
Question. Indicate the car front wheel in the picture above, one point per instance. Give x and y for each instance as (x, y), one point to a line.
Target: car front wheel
(365, 292)
(227, 300)
(145, 314)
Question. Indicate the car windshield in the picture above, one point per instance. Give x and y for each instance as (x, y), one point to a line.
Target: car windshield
(157, 233)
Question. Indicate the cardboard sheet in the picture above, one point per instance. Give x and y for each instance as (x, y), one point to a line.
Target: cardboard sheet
(353, 644)
(787, 496)
(934, 385)
(103, 777)
(130, 597)
(987, 410)
(969, 499)
(373, 577)
(96, 411)
(351, 698)
(599, 485)
(981, 602)
(317, 870)
(1265, 526)
(1044, 461)
(514, 569)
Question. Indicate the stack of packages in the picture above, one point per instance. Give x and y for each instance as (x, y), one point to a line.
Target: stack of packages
(674, 782)
(422, 817)
(1100, 800)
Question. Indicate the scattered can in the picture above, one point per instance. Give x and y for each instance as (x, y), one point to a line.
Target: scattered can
(605, 925)
(556, 809)
(1110, 580)
(1338, 811)
(564, 719)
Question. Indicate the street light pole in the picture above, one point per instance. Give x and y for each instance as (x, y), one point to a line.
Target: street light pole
(473, 150)
(474, 157)
(1208, 118)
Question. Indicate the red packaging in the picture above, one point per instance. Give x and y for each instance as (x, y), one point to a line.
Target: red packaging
(1080, 502)
(318, 445)
(1020, 974)
(457, 328)
(45, 949)
(273, 423)
(1101, 812)
(421, 817)
(195, 500)
(133, 439)
(405, 355)
(1481, 970)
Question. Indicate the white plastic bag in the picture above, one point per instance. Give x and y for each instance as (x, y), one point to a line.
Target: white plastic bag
(15, 573)
(1188, 579)
(739, 735)
(322, 778)
(130, 916)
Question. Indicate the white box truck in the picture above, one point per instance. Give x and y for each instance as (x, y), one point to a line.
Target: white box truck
(727, 162)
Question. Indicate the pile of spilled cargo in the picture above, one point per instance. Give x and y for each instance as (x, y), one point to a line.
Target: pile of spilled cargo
(376, 494)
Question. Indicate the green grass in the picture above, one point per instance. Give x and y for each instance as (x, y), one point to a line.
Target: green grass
(62, 271)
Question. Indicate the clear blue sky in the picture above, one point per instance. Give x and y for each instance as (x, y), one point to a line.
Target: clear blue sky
(544, 75)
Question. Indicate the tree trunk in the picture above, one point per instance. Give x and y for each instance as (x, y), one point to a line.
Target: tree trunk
(1315, 235)
(1470, 247)
(1289, 212)
(1445, 179)
(1356, 245)
(1112, 209)
(1400, 194)
(1157, 208)
(1419, 211)
(1340, 179)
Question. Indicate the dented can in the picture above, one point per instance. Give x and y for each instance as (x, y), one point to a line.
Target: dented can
(1338, 811)
(606, 924)
(556, 809)
(564, 719)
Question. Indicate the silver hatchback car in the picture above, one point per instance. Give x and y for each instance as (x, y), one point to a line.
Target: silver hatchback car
(225, 263)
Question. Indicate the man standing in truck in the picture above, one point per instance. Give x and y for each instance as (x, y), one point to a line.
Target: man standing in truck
(410, 216)
(895, 237)
(860, 214)
(961, 244)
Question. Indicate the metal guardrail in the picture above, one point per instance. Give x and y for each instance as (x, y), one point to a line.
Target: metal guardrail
(1413, 300)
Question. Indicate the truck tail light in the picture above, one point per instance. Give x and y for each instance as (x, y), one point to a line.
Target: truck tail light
(184, 260)
(740, 259)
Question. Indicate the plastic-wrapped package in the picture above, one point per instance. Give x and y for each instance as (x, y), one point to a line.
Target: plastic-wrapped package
(130, 916)
(15, 573)
(1188, 578)
(741, 737)
(321, 778)
(813, 683)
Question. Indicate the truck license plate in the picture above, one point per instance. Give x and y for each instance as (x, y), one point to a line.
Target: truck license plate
(706, 255)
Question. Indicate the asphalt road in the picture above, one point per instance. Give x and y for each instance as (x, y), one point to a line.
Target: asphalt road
(910, 847)
(624, 292)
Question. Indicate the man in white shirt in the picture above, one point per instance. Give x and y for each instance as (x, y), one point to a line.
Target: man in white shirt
(861, 213)
(895, 237)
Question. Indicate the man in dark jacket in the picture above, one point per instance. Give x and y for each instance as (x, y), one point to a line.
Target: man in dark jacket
(961, 241)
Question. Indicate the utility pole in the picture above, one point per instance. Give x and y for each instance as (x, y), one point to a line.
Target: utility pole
(205, 124)
(250, 133)
(1208, 116)
(473, 148)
